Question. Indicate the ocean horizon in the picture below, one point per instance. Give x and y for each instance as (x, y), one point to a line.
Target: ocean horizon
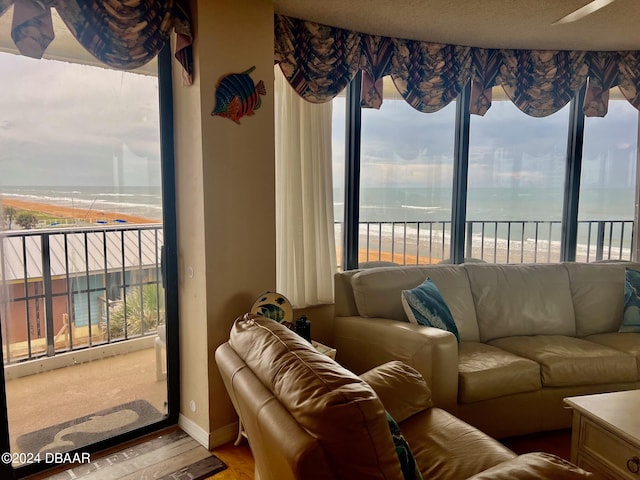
(538, 209)
(137, 201)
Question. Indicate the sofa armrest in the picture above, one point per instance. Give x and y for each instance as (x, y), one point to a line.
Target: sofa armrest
(401, 389)
(534, 466)
(364, 343)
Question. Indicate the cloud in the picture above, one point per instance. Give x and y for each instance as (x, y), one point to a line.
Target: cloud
(63, 123)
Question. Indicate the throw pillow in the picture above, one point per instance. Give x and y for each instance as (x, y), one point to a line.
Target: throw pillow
(408, 463)
(426, 306)
(631, 319)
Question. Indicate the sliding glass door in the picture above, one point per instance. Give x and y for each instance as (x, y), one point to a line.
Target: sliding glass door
(86, 254)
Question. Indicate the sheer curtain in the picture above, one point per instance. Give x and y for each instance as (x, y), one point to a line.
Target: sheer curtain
(305, 240)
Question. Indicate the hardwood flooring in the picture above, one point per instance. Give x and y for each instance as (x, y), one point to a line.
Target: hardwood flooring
(239, 461)
(156, 456)
(557, 442)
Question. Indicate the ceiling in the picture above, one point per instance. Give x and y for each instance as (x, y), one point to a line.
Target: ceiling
(525, 24)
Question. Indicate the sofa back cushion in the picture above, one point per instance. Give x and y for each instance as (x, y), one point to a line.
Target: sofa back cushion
(516, 300)
(597, 290)
(377, 293)
(328, 401)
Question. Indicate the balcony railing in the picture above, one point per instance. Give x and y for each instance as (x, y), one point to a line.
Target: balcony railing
(68, 289)
(494, 241)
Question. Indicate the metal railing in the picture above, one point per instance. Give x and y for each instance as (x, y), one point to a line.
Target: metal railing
(67, 289)
(493, 241)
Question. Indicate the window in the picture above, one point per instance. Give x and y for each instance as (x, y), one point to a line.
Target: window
(516, 181)
(515, 192)
(608, 183)
(406, 183)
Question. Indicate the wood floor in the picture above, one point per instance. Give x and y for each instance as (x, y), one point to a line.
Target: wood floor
(557, 442)
(156, 456)
(239, 461)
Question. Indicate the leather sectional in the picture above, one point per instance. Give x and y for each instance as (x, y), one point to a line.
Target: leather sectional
(530, 335)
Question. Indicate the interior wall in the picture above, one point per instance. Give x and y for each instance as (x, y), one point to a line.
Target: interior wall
(322, 318)
(225, 186)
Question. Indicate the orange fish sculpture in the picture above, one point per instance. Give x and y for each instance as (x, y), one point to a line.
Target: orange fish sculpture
(237, 95)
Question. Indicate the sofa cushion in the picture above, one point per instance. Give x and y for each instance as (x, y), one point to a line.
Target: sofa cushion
(625, 342)
(513, 300)
(534, 466)
(401, 389)
(331, 403)
(376, 293)
(569, 361)
(424, 305)
(597, 290)
(489, 372)
(631, 318)
(408, 465)
(451, 449)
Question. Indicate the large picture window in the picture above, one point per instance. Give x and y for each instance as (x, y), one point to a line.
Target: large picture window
(608, 183)
(406, 173)
(516, 181)
(517, 189)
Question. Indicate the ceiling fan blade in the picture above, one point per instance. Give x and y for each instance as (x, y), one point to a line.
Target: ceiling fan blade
(582, 12)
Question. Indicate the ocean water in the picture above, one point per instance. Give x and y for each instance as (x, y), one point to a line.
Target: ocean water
(139, 201)
(487, 204)
(529, 217)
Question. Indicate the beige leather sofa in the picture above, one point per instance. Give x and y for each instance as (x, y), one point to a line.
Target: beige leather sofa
(307, 417)
(530, 336)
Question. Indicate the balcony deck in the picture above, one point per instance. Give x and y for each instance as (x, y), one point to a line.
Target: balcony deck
(55, 396)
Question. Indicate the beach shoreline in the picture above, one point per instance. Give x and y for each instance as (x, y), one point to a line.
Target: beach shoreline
(77, 214)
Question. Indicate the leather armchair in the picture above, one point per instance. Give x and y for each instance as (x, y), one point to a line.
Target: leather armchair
(307, 417)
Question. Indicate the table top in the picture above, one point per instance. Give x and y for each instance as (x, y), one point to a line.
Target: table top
(617, 410)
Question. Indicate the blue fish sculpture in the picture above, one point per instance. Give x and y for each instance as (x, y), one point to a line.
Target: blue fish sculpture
(237, 95)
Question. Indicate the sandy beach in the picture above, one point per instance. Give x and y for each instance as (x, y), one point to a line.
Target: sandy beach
(81, 215)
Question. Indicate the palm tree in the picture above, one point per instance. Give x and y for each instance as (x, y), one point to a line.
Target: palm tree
(144, 310)
(26, 220)
(9, 214)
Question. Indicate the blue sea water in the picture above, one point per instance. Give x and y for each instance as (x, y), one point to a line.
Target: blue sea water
(390, 205)
(524, 215)
(487, 204)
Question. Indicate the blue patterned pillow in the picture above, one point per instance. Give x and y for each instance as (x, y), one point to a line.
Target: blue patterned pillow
(426, 306)
(631, 319)
(408, 463)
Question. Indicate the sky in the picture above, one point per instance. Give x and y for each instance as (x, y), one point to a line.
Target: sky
(402, 147)
(64, 124)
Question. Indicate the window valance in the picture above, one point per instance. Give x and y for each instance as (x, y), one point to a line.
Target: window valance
(319, 61)
(123, 35)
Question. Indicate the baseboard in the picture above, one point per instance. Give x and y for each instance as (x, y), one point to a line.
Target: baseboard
(218, 437)
(223, 435)
(194, 431)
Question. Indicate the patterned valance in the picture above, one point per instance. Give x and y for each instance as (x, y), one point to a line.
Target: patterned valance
(319, 61)
(121, 34)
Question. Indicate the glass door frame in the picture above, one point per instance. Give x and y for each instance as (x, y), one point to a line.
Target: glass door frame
(170, 281)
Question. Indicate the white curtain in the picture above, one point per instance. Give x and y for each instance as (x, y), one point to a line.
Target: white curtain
(305, 240)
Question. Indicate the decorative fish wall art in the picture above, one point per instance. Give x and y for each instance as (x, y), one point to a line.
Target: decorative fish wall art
(237, 95)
